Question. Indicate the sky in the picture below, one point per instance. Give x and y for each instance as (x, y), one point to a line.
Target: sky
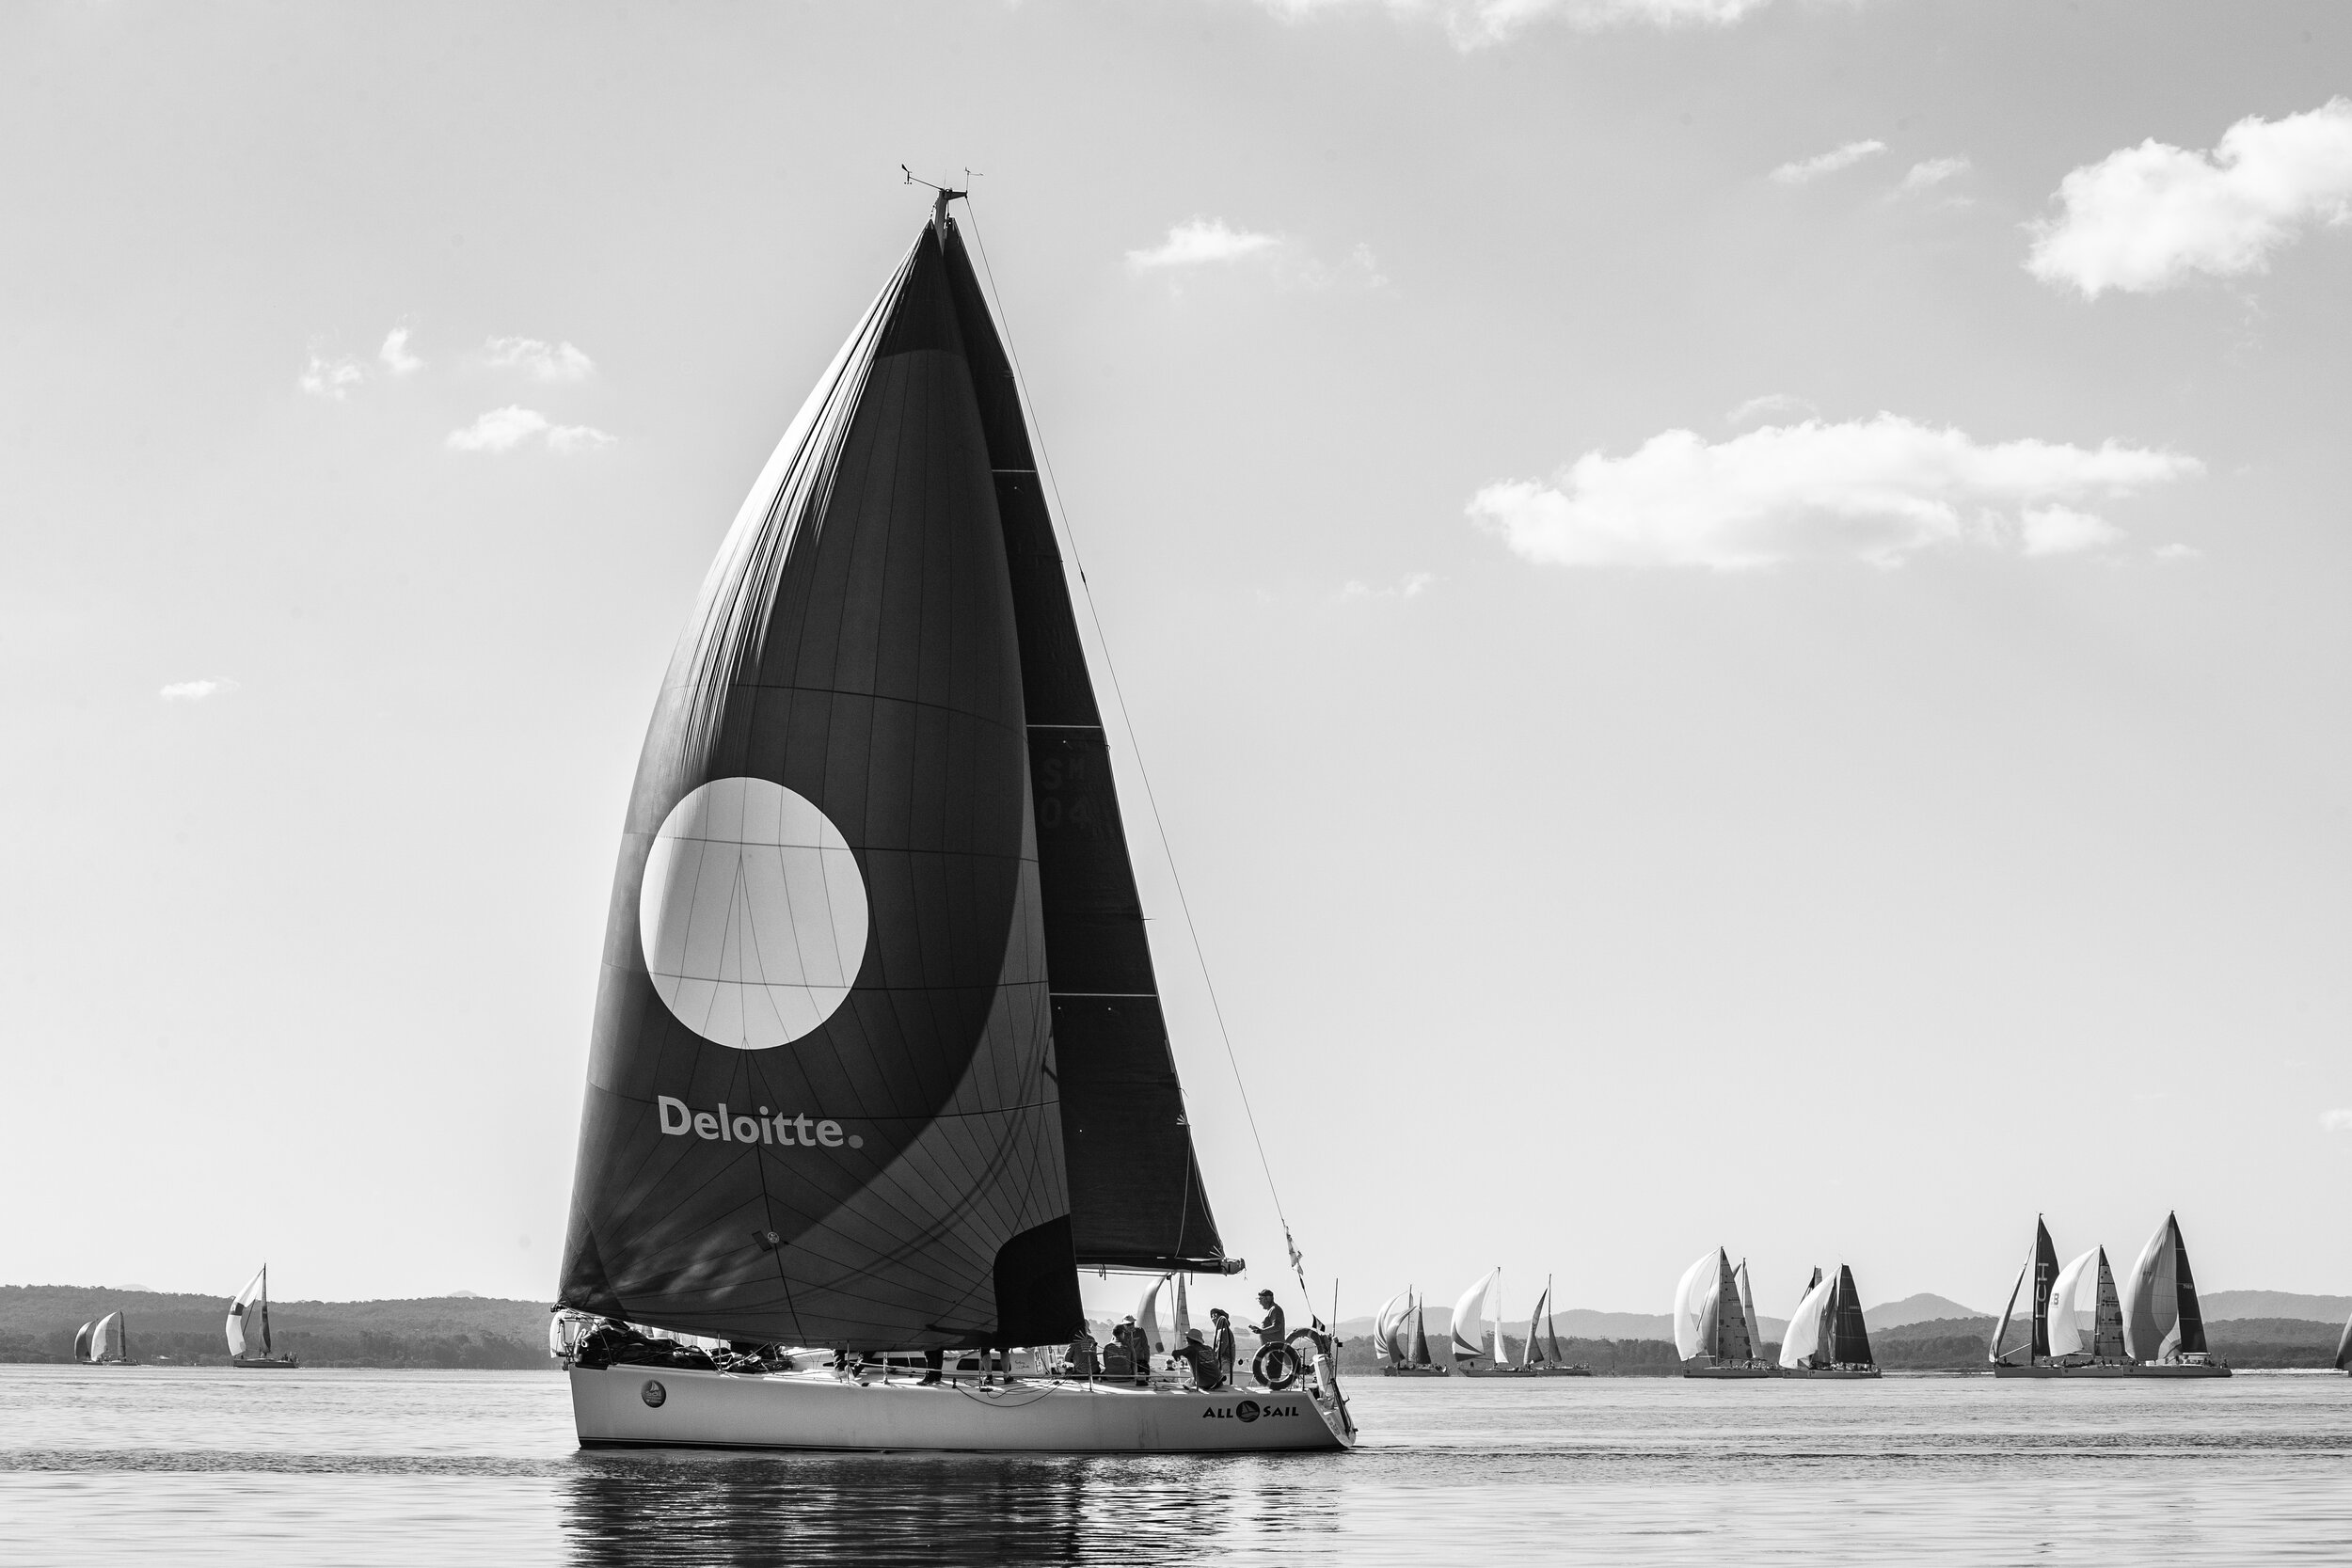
(1734, 606)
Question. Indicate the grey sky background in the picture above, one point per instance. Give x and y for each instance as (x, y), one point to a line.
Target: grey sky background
(1913, 798)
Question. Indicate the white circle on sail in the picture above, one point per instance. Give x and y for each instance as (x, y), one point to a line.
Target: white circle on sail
(752, 915)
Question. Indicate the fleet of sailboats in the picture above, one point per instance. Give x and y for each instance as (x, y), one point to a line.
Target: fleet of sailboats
(1714, 1321)
(1401, 1336)
(1485, 1351)
(1826, 1336)
(2077, 1322)
(879, 1061)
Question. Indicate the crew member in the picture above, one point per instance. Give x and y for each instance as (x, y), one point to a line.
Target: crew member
(1084, 1361)
(1225, 1352)
(1208, 1374)
(1274, 1328)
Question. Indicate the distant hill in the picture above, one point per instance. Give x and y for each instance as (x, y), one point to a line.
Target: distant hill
(38, 1323)
(1920, 1308)
(2221, 1304)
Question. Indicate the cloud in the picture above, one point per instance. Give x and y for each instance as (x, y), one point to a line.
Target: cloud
(2062, 531)
(1770, 402)
(2179, 552)
(502, 429)
(1474, 24)
(1409, 586)
(1879, 490)
(196, 692)
(1808, 169)
(330, 378)
(2335, 1121)
(395, 354)
(1212, 242)
(1924, 177)
(1202, 241)
(541, 361)
(2152, 216)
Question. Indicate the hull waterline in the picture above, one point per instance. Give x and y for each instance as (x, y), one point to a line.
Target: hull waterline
(636, 1406)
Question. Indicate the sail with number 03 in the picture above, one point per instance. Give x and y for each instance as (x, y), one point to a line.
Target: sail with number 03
(878, 1060)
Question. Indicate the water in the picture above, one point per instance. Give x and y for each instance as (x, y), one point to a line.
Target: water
(157, 1466)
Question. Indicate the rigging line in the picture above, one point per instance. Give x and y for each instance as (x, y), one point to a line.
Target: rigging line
(1133, 741)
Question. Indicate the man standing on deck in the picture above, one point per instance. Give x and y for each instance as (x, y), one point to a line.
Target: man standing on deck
(1275, 1328)
(1224, 1346)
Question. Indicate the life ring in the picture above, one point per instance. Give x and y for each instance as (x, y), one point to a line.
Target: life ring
(1276, 1366)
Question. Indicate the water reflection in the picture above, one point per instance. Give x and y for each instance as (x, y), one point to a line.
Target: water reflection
(948, 1509)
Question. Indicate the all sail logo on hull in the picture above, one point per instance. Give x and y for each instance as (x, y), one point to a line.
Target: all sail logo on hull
(1249, 1410)
(679, 1121)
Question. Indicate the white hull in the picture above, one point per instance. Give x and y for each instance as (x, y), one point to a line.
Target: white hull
(616, 1406)
(2115, 1369)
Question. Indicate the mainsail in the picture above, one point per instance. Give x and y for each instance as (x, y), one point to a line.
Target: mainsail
(2086, 1318)
(822, 1100)
(1467, 1312)
(1805, 1342)
(1416, 1351)
(2161, 1319)
(1849, 1337)
(248, 1317)
(1747, 1316)
(1135, 1196)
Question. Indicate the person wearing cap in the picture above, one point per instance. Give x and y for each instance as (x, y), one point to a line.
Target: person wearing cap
(1137, 1343)
(1208, 1375)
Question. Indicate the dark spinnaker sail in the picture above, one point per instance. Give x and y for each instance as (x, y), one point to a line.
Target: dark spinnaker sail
(1135, 1196)
(2045, 1269)
(821, 1105)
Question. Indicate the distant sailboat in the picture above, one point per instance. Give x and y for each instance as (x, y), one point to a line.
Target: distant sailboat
(1826, 1335)
(1474, 1345)
(109, 1341)
(1540, 1356)
(81, 1340)
(2163, 1328)
(2343, 1348)
(1712, 1322)
(1401, 1336)
(248, 1328)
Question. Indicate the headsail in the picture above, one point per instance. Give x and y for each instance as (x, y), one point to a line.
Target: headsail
(107, 1339)
(1135, 1196)
(1696, 1308)
(1803, 1343)
(2343, 1348)
(821, 1106)
(1468, 1313)
(2073, 1307)
(2044, 1282)
(82, 1338)
(1387, 1329)
(2161, 1317)
(1148, 1315)
(248, 1317)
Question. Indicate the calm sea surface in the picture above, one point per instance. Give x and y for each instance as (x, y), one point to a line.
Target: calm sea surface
(157, 1466)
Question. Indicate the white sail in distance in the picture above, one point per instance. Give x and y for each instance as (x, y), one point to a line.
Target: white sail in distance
(1696, 1308)
(1148, 1315)
(1747, 1310)
(2074, 1306)
(1182, 1327)
(1387, 1329)
(1468, 1313)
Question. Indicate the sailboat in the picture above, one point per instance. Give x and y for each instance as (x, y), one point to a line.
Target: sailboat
(2020, 1346)
(1540, 1356)
(879, 1061)
(1481, 1352)
(2343, 1348)
(1826, 1336)
(1714, 1322)
(1401, 1336)
(103, 1343)
(2163, 1328)
(248, 1328)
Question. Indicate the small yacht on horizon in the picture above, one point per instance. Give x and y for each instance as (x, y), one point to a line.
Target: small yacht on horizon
(1714, 1321)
